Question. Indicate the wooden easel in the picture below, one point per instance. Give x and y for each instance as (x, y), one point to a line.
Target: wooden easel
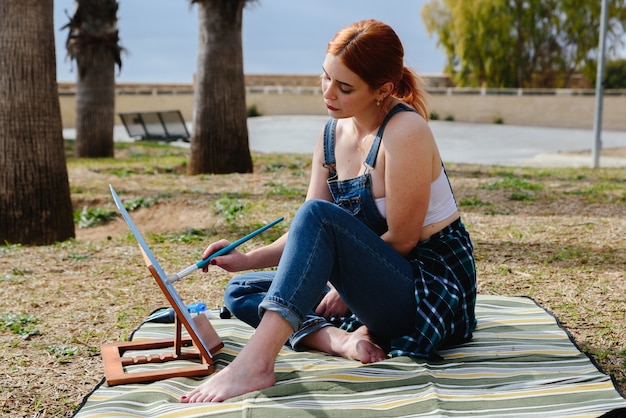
(204, 342)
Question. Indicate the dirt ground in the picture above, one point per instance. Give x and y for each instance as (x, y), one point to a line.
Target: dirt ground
(556, 235)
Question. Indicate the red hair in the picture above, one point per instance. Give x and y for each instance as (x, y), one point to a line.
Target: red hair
(373, 51)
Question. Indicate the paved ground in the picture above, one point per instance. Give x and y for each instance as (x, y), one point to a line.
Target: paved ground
(459, 142)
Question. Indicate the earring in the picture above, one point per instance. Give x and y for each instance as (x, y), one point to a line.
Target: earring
(378, 102)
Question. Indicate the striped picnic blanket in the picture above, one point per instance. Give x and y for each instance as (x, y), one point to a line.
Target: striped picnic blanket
(520, 363)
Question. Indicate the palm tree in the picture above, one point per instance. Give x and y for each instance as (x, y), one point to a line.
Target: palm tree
(219, 142)
(93, 42)
(35, 203)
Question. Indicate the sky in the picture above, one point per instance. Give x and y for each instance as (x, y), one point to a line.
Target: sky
(279, 36)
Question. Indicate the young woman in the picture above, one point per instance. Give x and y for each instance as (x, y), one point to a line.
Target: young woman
(378, 243)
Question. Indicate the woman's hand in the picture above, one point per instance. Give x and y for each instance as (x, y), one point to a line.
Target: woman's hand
(332, 305)
(232, 261)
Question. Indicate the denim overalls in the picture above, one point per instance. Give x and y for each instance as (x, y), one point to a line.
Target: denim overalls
(355, 194)
(412, 304)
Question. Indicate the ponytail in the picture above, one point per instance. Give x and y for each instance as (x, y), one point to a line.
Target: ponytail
(410, 92)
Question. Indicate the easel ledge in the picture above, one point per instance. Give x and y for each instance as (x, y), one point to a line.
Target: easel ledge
(205, 337)
(115, 361)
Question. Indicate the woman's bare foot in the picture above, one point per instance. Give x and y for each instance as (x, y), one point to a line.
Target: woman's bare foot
(252, 369)
(357, 345)
(236, 379)
(366, 350)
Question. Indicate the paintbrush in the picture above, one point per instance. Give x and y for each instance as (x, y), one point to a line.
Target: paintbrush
(204, 262)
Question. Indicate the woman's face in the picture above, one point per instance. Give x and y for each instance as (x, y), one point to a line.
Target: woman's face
(345, 93)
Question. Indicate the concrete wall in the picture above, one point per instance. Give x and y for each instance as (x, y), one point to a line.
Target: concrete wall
(551, 108)
(134, 99)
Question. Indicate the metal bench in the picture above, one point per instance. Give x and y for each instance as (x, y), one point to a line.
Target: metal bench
(155, 126)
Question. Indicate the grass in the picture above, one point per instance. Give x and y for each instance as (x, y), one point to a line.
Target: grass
(23, 325)
(556, 235)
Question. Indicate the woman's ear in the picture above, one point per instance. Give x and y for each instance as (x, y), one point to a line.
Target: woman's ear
(385, 90)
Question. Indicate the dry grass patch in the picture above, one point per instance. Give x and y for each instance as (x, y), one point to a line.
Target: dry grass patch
(556, 235)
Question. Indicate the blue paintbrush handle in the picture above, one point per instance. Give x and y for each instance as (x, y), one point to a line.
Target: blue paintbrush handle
(204, 262)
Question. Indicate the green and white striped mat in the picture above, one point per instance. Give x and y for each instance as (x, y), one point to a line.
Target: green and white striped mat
(519, 364)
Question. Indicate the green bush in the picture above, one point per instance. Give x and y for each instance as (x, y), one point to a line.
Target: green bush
(253, 111)
(90, 217)
(615, 75)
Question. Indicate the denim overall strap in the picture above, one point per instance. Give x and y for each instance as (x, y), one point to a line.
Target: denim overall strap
(329, 145)
(370, 161)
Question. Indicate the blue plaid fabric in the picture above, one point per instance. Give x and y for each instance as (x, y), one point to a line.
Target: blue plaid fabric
(445, 291)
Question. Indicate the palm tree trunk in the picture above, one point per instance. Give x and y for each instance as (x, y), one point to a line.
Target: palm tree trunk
(95, 107)
(219, 142)
(35, 203)
(93, 42)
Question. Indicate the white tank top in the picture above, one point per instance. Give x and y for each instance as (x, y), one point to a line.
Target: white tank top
(441, 205)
